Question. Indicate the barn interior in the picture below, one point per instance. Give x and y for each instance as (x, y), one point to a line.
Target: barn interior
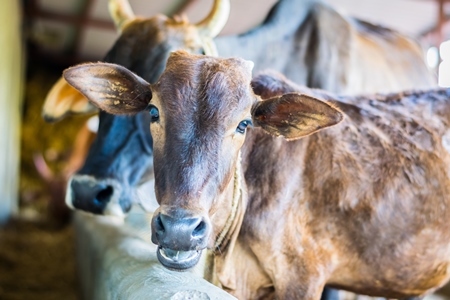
(40, 39)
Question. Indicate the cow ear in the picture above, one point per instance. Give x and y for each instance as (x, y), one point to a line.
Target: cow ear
(110, 87)
(64, 100)
(294, 115)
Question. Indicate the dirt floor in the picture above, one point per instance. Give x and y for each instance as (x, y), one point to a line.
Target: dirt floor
(37, 261)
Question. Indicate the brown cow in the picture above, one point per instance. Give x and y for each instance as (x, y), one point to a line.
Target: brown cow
(362, 205)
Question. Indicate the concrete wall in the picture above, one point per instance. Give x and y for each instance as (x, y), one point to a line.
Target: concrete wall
(116, 260)
(11, 67)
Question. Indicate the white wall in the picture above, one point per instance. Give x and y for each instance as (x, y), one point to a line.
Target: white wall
(11, 67)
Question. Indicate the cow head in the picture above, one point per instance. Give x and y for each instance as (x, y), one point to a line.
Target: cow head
(199, 111)
(120, 158)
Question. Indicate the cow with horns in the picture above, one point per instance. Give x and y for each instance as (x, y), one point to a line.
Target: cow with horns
(316, 46)
(294, 188)
(120, 157)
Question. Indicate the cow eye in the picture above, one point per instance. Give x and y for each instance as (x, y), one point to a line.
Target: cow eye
(243, 125)
(154, 114)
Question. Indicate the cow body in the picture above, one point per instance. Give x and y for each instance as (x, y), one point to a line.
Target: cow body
(362, 205)
(316, 47)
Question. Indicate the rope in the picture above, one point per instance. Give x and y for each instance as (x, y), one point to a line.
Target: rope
(237, 192)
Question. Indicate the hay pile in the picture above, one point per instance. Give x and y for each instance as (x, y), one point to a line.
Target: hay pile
(53, 141)
(37, 262)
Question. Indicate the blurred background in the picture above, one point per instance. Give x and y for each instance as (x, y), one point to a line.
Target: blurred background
(40, 38)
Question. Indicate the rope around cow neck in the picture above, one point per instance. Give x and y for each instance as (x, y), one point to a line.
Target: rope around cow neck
(237, 193)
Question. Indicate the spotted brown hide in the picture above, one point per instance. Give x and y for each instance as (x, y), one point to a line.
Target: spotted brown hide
(357, 199)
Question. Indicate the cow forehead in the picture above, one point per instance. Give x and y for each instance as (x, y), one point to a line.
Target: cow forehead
(203, 81)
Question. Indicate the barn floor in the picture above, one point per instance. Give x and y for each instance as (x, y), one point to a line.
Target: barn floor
(37, 261)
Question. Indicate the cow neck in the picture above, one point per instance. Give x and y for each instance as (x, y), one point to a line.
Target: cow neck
(219, 261)
(237, 196)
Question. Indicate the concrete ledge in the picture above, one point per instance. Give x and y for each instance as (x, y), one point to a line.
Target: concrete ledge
(116, 260)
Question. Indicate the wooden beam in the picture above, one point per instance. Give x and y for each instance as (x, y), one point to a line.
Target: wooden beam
(184, 7)
(441, 22)
(72, 20)
(81, 30)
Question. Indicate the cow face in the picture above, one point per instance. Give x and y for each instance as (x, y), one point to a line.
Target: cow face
(199, 111)
(199, 120)
(120, 158)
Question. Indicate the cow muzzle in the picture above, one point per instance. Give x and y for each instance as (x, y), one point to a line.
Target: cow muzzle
(100, 197)
(180, 240)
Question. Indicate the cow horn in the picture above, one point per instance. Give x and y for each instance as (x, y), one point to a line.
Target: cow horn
(121, 12)
(216, 20)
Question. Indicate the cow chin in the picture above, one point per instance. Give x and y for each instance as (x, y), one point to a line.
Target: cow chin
(178, 260)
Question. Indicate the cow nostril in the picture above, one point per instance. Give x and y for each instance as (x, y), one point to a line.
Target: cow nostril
(104, 195)
(199, 230)
(159, 226)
